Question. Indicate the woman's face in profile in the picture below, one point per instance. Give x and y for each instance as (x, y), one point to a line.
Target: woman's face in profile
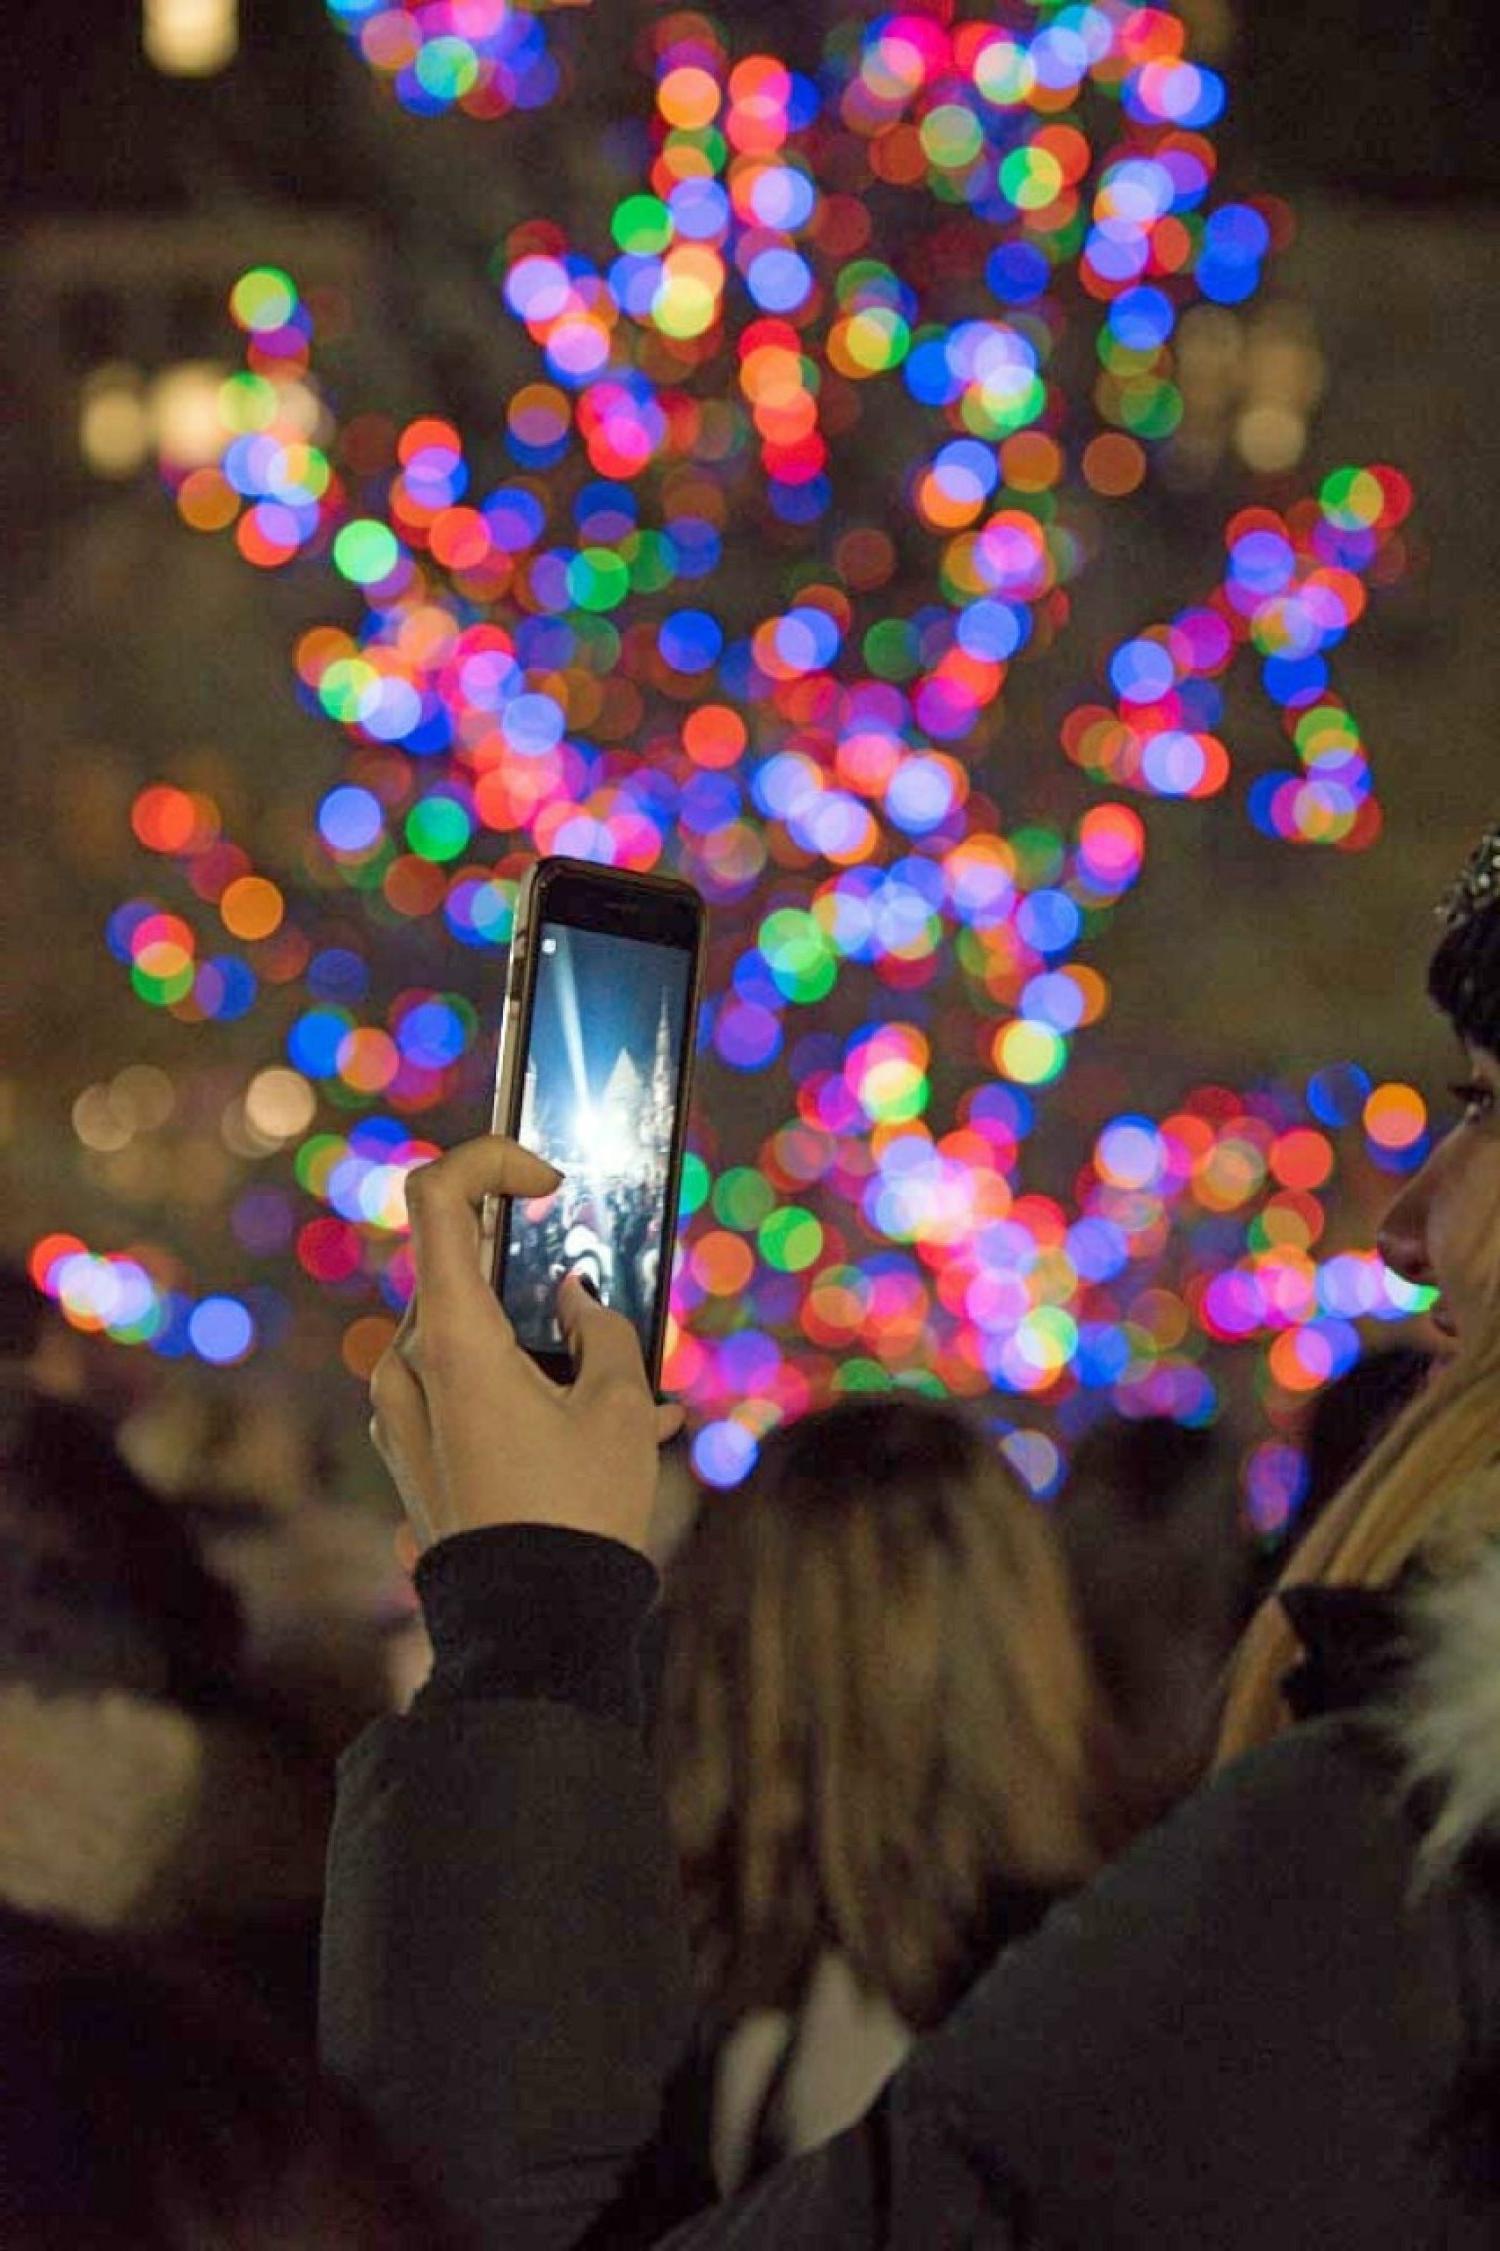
(1443, 1230)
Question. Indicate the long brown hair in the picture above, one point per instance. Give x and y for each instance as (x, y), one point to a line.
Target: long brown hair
(876, 1711)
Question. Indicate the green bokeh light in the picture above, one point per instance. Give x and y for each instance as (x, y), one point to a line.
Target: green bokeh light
(366, 551)
(743, 1198)
(790, 1239)
(692, 1192)
(438, 828)
(598, 578)
(642, 225)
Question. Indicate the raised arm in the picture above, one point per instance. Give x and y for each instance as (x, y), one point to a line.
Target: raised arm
(505, 1980)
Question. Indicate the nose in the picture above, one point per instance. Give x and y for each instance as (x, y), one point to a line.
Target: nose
(1402, 1238)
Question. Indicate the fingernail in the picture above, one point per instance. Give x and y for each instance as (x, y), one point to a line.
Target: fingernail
(584, 1283)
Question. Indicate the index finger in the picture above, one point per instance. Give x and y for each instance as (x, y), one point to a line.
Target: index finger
(443, 1202)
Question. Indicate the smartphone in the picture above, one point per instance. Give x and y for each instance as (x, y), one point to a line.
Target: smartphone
(594, 1069)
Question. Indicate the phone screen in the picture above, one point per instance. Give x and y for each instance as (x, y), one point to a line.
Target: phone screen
(599, 1099)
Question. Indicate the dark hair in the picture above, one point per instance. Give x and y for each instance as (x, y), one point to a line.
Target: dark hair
(1463, 978)
(149, 2105)
(1149, 1522)
(101, 1582)
(1346, 1419)
(23, 1312)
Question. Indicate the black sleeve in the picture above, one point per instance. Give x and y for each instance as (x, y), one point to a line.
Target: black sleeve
(536, 1610)
(504, 1979)
(504, 1984)
(1237, 2035)
(899, 2180)
(1240, 2034)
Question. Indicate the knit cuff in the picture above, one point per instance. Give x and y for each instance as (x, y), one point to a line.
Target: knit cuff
(536, 1610)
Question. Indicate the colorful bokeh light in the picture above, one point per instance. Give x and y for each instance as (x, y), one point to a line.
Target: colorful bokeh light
(655, 634)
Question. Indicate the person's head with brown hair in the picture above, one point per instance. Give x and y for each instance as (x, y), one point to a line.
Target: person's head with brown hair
(877, 1724)
(1429, 1493)
(148, 2103)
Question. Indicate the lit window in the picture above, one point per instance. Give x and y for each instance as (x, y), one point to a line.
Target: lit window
(190, 38)
(185, 414)
(114, 429)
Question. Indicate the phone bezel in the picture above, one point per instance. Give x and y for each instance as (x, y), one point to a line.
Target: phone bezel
(620, 902)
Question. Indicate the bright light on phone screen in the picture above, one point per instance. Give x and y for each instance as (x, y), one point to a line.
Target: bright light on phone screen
(599, 1100)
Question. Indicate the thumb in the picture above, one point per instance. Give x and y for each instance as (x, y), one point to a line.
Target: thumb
(603, 1344)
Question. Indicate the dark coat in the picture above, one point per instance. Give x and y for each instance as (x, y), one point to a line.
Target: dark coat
(1246, 2033)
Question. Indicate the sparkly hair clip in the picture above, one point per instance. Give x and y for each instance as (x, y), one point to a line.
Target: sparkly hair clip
(1477, 888)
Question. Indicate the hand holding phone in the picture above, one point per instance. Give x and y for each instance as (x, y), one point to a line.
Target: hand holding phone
(473, 1433)
(593, 1075)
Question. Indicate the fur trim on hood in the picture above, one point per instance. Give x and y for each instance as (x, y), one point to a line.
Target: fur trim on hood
(1448, 1719)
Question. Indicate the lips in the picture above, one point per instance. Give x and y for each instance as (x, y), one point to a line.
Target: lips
(1443, 1321)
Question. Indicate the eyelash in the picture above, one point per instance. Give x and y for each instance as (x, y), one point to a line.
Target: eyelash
(1475, 1098)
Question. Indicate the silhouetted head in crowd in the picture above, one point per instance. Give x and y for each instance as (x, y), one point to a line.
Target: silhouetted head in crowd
(40, 1348)
(1149, 1523)
(1149, 1467)
(1421, 1500)
(145, 2106)
(101, 1585)
(23, 1314)
(877, 1719)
